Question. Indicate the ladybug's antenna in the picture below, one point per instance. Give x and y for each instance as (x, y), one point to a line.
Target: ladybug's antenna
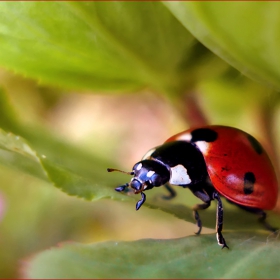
(114, 169)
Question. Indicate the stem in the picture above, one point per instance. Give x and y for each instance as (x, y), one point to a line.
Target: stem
(266, 121)
(193, 112)
(267, 124)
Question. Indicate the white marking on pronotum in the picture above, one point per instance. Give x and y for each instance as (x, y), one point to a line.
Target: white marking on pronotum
(148, 154)
(150, 173)
(179, 175)
(185, 137)
(203, 146)
(139, 166)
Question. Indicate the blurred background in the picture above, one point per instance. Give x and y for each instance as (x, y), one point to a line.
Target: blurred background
(35, 215)
(113, 124)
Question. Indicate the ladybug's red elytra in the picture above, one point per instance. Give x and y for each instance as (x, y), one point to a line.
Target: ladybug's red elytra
(211, 161)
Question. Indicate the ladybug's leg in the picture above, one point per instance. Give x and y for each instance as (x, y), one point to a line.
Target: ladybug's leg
(196, 215)
(262, 219)
(124, 188)
(260, 213)
(141, 201)
(171, 191)
(219, 221)
(207, 202)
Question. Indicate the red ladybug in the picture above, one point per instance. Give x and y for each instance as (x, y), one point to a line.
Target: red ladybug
(211, 161)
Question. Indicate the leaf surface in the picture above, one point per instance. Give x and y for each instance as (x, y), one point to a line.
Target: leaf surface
(98, 45)
(245, 34)
(191, 257)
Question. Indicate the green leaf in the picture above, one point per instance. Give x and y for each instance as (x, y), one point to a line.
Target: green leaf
(90, 187)
(97, 45)
(15, 152)
(251, 255)
(245, 34)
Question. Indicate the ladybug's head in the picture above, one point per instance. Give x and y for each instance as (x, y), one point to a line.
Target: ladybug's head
(146, 175)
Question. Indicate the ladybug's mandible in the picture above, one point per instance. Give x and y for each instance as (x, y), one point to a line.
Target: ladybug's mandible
(211, 161)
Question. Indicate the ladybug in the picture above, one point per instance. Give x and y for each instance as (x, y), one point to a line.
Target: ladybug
(211, 161)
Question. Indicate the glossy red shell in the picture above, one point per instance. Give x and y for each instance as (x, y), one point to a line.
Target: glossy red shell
(228, 158)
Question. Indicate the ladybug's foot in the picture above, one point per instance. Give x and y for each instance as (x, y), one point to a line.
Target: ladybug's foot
(196, 215)
(141, 201)
(271, 228)
(221, 240)
(122, 188)
(262, 220)
(225, 246)
(198, 222)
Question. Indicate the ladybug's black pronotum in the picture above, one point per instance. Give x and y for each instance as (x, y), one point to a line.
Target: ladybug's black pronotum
(211, 161)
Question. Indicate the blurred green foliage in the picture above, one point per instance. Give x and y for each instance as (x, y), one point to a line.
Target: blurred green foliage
(59, 129)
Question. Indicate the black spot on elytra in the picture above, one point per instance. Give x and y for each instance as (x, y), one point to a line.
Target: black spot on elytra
(225, 168)
(249, 181)
(204, 134)
(255, 144)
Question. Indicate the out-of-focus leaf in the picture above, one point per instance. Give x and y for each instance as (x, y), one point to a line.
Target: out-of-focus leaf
(41, 143)
(98, 45)
(250, 256)
(245, 34)
(37, 216)
(81, 174)
(15, 152)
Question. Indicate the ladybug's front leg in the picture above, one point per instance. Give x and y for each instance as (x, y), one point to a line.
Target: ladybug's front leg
(219, 221)
(141, 201)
